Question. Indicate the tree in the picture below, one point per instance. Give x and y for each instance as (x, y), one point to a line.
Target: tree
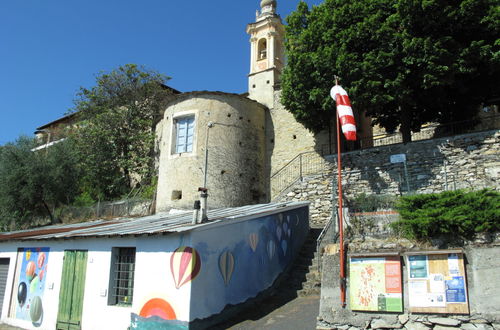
(116, 134)
(34, 183)
(403, 62)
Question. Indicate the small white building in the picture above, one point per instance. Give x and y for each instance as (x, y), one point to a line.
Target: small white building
(160, 271)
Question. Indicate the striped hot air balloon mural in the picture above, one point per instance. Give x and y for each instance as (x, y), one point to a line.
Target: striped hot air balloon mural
(226, 266)
(185, 264)
(344, 111)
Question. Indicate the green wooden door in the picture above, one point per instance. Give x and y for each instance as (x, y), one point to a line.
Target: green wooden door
(69, 316)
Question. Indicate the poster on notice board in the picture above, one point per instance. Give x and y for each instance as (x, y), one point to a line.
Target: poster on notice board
(437, 283)
(375, 284)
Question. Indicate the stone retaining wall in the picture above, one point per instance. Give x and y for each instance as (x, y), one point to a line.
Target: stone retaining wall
(470, 161)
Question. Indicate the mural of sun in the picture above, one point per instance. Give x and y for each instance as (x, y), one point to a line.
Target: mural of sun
(158, 307)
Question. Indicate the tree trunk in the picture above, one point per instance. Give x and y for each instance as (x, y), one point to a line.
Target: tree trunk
(53, 220)
(405, 128)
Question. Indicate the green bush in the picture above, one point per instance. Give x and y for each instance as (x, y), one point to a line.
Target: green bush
(459, 213)
(149, 191)
(84, 199)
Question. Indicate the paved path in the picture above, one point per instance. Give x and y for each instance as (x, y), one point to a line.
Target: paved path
(276, 313)
(296, 314)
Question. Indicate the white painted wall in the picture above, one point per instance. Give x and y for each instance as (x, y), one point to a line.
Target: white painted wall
(152, 279)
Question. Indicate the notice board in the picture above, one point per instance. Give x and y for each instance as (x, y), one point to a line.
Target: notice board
(437, 282)
(375, 283)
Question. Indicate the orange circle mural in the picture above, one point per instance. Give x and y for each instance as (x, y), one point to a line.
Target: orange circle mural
(158, 307)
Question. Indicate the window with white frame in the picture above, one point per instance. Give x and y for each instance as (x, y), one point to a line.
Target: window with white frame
(184, 132)
(121, 284)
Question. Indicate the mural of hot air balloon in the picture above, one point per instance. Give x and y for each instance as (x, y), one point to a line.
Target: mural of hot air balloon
(34, 284)
(253, 240)
(158, 307)
(41, 259)
(30, 270)
(279, 231)
(22, 292)
(36, 309)
(271, 249)
(33, 272)
(284, 246)
(226, 266)
(42, 273)
(185, 265)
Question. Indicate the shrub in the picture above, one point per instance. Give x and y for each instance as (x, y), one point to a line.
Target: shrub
(460, 213)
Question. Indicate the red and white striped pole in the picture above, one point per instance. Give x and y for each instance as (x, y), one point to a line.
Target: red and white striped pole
(346, 118)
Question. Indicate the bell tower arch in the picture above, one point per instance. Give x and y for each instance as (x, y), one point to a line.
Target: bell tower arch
(267, 53)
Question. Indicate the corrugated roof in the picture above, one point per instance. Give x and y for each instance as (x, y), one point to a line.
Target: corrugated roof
(153, 224)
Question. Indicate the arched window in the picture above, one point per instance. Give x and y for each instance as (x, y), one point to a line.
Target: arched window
(262, 49)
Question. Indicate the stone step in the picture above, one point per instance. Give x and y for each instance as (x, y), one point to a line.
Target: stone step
(313, 276)
(309, 292)
(303, 277)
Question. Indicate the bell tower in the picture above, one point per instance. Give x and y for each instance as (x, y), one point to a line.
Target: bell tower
(267, 53)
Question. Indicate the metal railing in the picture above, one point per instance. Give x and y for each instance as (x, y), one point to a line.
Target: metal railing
(427, 132)
(321, 237)
(310, 163)
(304, 164)
(127, 207)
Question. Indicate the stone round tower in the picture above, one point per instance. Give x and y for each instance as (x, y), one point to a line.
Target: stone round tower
(232, 128)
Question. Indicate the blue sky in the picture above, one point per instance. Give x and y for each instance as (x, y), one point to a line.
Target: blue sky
(49, 48)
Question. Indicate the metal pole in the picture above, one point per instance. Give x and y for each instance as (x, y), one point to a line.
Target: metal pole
(341, 218)
(300, 167)
(209, 125)
(407, 178)
(203, 190)
(445, 176)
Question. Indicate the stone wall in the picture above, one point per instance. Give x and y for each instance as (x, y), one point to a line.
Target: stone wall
(237, 168)
(482, 266)
(470, 161)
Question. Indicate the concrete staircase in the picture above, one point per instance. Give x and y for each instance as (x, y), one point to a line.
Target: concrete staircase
(304, 277)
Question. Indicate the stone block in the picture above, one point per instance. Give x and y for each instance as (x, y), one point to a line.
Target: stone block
(384, 324)
(483, 327)
(412, 325)
(403, 318)
(444, 321)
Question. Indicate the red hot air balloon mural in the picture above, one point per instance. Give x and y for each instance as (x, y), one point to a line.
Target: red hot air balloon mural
(30, 270)
(185, 264)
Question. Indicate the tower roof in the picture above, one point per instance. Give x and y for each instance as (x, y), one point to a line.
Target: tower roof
(268, 3)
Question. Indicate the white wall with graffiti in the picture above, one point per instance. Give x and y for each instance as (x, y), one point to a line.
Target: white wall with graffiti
(179, 277)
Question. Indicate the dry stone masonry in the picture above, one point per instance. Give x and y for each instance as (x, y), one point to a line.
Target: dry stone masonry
(470, 161)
